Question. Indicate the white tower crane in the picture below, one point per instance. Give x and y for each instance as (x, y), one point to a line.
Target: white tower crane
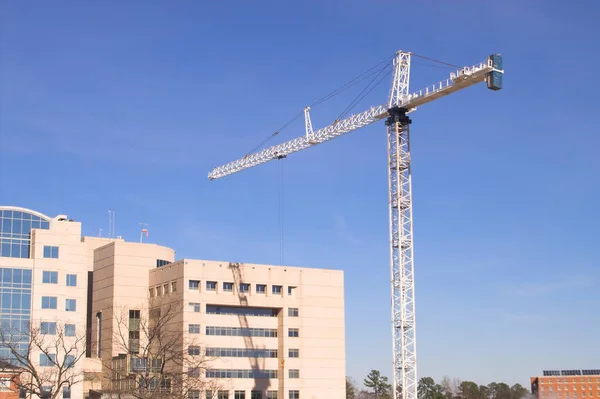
(395, 111)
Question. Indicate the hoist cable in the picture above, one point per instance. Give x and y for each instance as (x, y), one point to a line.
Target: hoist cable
(434, 60)
(352, 82)
(281, 230)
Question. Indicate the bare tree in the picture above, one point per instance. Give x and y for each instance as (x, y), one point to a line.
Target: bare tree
(44, 357)
(156, 358)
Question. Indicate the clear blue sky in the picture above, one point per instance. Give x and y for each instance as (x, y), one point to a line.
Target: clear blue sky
(128, 106)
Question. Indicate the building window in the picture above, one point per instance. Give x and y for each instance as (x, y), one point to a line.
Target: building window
(48, 302)
(239, 394)
(241, 332)
(193, 394)
(223, 395)
(69, 330)
(245, 288)
(174, 286)
(194, 351)
(166, 289)
(5, 384)
(209, 395)
(70, 361)
(161, 262)
(293, 312)
(66, 393)
(134, 331)
(227, 287)
(194, 372)
(50, 251)
(70, 305)
(159, 290)
(99, 334)
(276, 289)
(48, 328)
(293, 353)
(291, 290)
(294, 395)
(151, 292)
(241, 352)
(294, 373)
(49, 277)
(194, 284)
(261, 288)
(238, 373)
(194, 328)
(71, 280)
(255, 395)
(271, 394)
(47, 360)
(154, 313)
(195, 307)
(293, 332)
(211, 285)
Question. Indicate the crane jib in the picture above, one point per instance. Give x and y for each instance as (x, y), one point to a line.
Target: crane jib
(489, 71)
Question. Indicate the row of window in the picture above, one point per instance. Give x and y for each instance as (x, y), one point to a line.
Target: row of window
(566, 380)
(241, 352)
(240, 373)
(568, 394)
(239, 310)
(49, 302)
(46, 392)
(567, 387)
(164, 289)
(242, 311)
(49, 360)
(293, 394)
(51, 277)
(242, 332)
(15, 278)
(243, 287)
(49, 328)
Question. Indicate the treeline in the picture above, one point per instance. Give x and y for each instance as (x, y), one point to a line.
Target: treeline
(378, 387)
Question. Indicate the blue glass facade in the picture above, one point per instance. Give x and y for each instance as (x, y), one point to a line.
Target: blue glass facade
(15, 306)
(15, 232)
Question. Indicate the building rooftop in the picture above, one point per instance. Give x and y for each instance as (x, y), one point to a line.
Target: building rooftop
(551, 373)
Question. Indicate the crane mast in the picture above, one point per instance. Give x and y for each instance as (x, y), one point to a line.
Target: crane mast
(395, 112)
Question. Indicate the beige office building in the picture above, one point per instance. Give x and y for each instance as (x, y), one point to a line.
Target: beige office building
(265, 332)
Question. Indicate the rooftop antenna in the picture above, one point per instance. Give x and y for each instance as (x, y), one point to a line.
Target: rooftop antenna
(100, 232)
(144, 230)
(111, 223)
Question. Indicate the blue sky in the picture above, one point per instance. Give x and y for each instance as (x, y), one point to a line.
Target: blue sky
(128, 106)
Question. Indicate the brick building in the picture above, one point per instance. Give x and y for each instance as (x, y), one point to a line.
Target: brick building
(567, 384)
